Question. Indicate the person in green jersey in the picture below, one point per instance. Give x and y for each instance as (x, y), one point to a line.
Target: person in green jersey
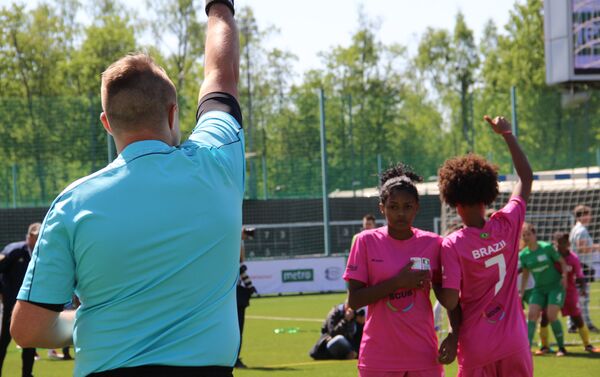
(538, 258)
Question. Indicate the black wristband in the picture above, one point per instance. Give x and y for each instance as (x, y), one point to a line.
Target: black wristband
(210, 3)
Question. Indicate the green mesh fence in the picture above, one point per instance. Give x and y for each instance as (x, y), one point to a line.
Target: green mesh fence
(46, 143)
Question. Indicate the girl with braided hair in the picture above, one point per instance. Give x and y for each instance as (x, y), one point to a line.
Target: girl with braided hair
(391, 269)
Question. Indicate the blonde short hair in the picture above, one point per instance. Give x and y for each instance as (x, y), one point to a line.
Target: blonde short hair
(136, 93)
(34, 229)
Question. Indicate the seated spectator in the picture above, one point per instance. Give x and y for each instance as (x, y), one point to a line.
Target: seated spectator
(340, 334)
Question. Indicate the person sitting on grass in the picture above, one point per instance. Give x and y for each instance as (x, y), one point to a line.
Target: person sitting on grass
(339, 333)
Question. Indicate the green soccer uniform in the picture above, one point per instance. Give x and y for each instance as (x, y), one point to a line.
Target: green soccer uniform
(547, 290)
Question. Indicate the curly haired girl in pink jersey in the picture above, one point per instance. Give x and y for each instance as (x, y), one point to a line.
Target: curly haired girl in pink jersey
(480, 265)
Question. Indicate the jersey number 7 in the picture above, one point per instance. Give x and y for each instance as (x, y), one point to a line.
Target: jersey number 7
(499, 260)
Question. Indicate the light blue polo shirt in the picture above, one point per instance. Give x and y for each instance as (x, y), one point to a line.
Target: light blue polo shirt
(151, 245)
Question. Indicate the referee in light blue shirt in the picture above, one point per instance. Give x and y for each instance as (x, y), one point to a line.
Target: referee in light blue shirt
(150, 244)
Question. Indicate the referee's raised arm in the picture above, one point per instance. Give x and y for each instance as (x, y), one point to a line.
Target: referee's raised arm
(222, 51)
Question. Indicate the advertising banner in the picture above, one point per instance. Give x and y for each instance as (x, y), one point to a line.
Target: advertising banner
(297, 275)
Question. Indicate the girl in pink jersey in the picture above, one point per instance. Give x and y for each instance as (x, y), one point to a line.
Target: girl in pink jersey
(575, 279)
(480, 265)
(390, 269)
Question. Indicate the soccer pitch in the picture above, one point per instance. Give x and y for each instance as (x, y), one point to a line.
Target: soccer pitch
(280, 331)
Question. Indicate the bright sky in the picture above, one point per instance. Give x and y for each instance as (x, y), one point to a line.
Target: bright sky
(310, 26)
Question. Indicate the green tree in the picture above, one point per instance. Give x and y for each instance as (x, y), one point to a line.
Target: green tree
(33, 53)
(451, 63)
(109, 37)
(176, 27)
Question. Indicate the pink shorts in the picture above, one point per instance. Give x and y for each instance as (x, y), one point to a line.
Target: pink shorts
(516, 365)
(433, 372)
(571, 306)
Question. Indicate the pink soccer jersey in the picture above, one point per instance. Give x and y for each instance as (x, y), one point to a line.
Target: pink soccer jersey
(399, 333)
(571, 306)
(574, 271)
(482, 264)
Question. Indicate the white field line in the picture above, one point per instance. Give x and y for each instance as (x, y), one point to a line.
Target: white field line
(284, 318)
(310, 363)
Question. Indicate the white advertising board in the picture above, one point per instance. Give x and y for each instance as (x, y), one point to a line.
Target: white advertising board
(297, 275)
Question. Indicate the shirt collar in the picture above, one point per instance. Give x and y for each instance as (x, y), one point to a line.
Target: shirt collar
(143, 147)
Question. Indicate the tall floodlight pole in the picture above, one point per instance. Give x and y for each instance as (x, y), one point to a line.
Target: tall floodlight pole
(351, 136)
(327, 237)
(515, 125)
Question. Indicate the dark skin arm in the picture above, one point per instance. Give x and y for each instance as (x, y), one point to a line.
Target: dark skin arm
(360, 295)
(449, 346)
(502, 127)
(449, 299)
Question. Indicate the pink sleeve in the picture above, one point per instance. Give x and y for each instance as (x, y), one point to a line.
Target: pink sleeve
(577, 268)
(451, 271)
(357, 267)
(514, 212)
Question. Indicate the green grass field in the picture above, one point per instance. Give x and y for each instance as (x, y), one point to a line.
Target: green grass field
(272, 354)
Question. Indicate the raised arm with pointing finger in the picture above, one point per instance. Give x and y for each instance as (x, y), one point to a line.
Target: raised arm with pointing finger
(501, 126)
(479, 263)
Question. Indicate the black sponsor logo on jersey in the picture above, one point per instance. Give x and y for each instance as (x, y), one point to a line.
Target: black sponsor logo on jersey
(494, 313)
(400, 295)
(401, 301)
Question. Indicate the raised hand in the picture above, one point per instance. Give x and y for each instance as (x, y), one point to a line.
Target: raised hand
(499, 124)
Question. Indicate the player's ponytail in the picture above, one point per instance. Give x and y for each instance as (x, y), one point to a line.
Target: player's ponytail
(399, 177)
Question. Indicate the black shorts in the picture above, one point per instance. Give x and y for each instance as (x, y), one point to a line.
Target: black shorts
(219, 101)
(167, 371)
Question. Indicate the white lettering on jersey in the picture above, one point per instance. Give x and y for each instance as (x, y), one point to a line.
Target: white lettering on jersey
(539, 269)
(492, 249)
